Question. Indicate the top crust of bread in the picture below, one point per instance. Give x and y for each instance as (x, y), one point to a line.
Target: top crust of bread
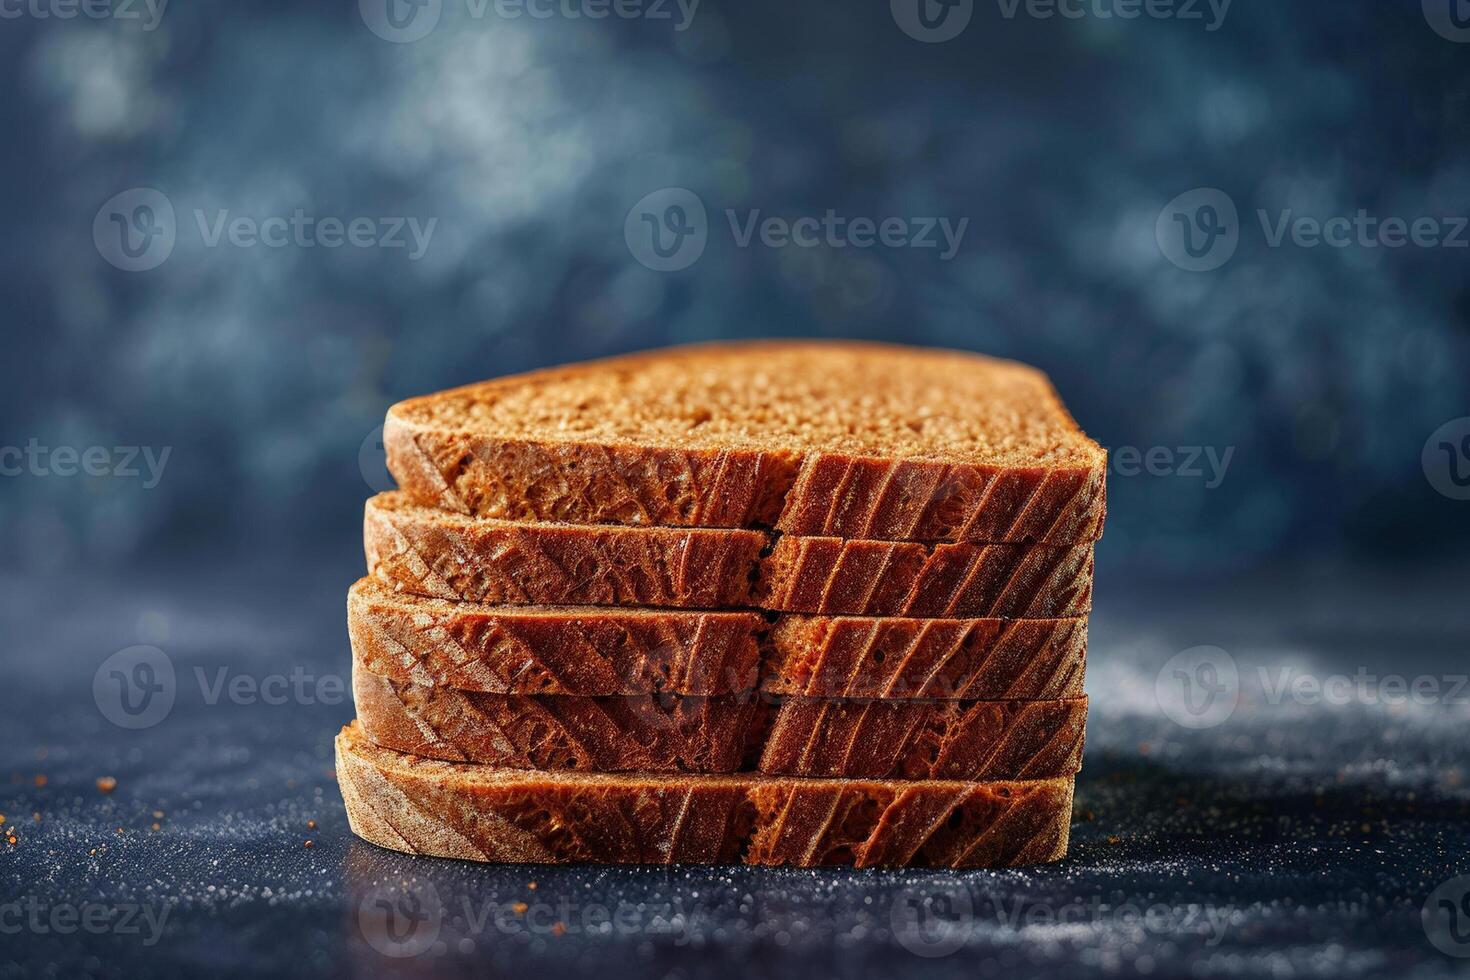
(869, 400)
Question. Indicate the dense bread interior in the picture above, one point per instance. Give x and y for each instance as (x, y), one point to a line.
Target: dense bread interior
(863, 399)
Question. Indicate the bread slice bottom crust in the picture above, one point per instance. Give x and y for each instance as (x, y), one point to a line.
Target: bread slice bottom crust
(481, 813)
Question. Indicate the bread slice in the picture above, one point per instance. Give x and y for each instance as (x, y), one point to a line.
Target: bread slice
(449, 556)
(833, 439)
(728, 733)
(606, 650)
(900, 657)
(481, 813)
(580, 650)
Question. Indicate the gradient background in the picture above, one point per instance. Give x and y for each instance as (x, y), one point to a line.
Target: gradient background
(266, 371)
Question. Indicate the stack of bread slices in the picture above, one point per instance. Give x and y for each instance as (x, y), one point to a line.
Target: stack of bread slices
(774, 603)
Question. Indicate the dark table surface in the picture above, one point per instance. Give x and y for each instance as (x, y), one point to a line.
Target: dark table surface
(1303, 835)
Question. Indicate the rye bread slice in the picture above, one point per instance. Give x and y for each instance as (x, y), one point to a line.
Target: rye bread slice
(443, 555)
(482, 813)
(839, 439)
(607, 650)
(578, 650)
(727, 733)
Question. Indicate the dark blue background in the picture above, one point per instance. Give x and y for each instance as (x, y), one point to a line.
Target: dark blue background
(1319, 829)
(529, 140)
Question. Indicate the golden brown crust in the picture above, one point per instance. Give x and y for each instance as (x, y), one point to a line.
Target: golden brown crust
(480, 813)
(595, 651)
(728, 733)
(448, 556)
(1016, 470)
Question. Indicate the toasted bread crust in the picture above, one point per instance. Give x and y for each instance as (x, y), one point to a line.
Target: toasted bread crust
(926, 493)
(446, 556)
(479, 813)
(595, 651)
(728, 733)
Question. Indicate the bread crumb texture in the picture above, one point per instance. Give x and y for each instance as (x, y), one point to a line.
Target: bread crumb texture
(864, 399)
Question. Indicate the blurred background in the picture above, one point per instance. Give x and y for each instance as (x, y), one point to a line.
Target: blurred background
(526, 141)
(1233, 233)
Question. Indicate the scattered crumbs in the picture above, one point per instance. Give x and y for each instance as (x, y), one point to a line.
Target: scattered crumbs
(155, 826)
(106, 784)
(308, 843)
(1088, 816)
(119, 830)
(532, 886)
(157, 814)
(1114, 839)
(2, 818)
(1367, 827)
(36, 816)
(519, 908)
(41, 780)
(311, 825)
(92, 852)
(560, 929)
